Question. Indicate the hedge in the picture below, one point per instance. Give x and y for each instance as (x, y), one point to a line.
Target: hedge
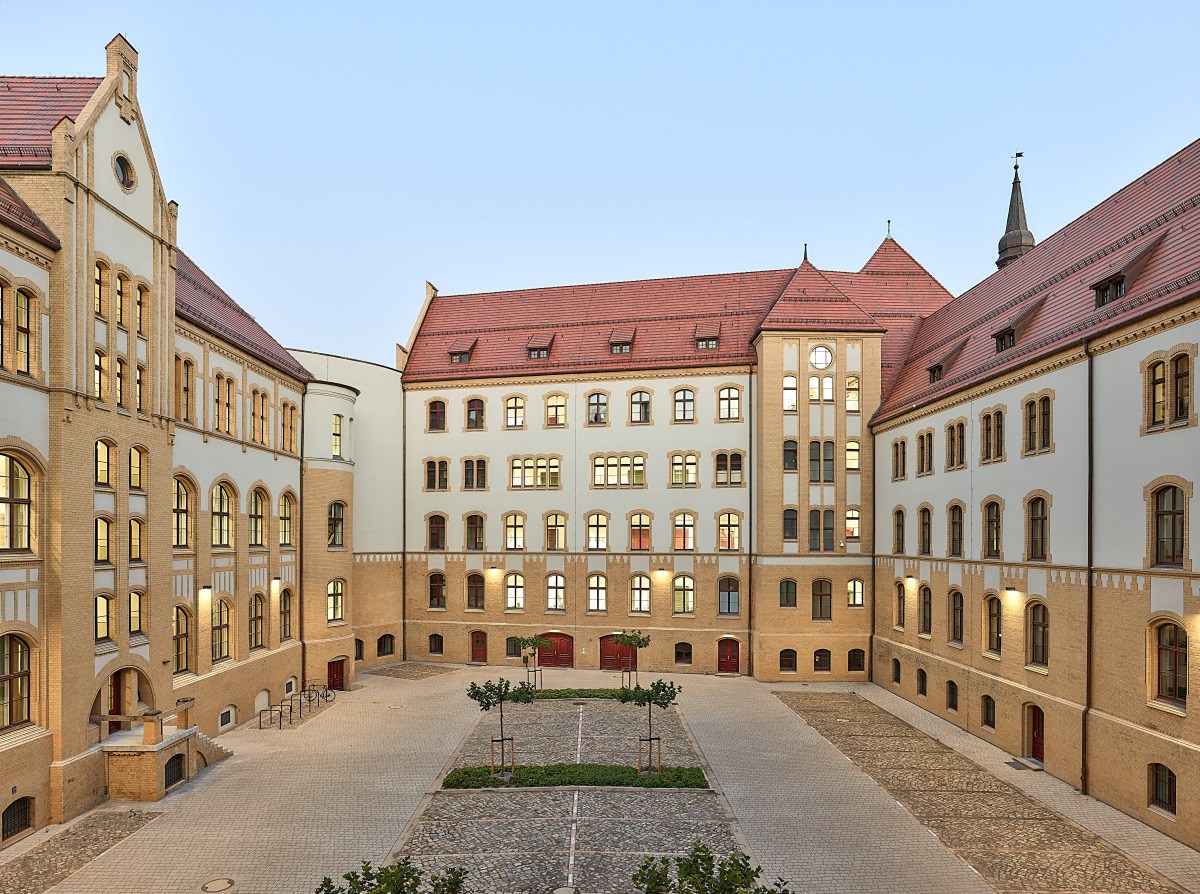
(577, 774)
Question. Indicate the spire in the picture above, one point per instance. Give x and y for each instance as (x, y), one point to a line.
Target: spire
(1017, 239)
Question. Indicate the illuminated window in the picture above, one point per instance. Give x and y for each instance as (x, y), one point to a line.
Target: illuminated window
(684, 588)
(334, 604)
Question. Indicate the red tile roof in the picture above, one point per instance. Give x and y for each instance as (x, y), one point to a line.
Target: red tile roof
(19, 216)
(1054, 282)
(812, 302)
(199, 299)
(29, 110)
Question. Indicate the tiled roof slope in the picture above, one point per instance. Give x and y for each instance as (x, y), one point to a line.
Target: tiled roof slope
(811, 301)
(29, 110)
(19, 216)
(202, 301)
(1049, 289)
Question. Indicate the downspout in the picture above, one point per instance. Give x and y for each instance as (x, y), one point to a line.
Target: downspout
(750, 532)
(1087, 696)
(403, 524)
(300, 552)
(874, 557)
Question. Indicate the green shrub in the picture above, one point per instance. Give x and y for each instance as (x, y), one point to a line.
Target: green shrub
(699, 872)
(577, 693)
(400, 878)
(577, 774)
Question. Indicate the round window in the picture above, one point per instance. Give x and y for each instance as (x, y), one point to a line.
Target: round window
(124, 171)
(820, 357)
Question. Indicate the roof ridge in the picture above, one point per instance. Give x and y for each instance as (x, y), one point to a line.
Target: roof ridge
(618, 282)
(595, 321)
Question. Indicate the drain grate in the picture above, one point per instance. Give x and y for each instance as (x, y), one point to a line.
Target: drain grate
(217, 884)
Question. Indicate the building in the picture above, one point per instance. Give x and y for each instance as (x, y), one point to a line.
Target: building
(799, 474)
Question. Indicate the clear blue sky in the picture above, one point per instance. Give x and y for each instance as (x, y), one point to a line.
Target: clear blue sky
(329, 158)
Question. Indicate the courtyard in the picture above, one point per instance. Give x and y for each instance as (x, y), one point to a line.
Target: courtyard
(834, 787)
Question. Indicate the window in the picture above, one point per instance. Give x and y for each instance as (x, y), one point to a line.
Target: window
(334, 605)
(925, 526)
(287, 507)
(852, 456)
(789, 394)
(956, 617)
(22, 333)
(460, 356)
(790, 458)
(1039, 640)
(827, 389)
(685, 405)
(15, 504)
(639, 531)
(103, 541)
(336, 448)
(139, 402)
(514, 412)
(639, 407)
(475, 418)
(597, 586)
(685, 591)
(180, 515)
(1110, 291)
(135, 540)
(989, 712)
(956, 446)
(474, 540)
(1162, 792)
(787, 661)
(922, 682)
(820, 357)
(683, 653)
(895, 670)
(556, 531)
(790, 524)
(991, 513)
(285, 615)
(729, 528)
(437, 415)
(822, 600)
(729, 404)
(102, 618)
(620, 347)
(1168, 526)
(827, 453)
(220, 515)
(814, 462)
(936, 372)
(991, 444)
(856, 660)
(256, 623)
(994, 630)
(99, 290)
(1172, 663)
(639, 593)
(1039, 529)
(514, 592)
(556, 410)
(706, 344)
(597, 409)
(437, 532)
(103, 466)
(614, 470)
(597, 531)
(854, 593)
(1180, 366)
(787, 594)
(475, 474)
(335, 527)
(1005, 340)
(685, 470)
(956, 531)
(853, 524)
(435, 644)
(514, 531)
(898, 533)
(179, 640)
(814, 529)
(220, 630)
(140, 308)
(951, 696)
(437, 590)
(556, 593)
(135, 468)
(135, 612)
(899, 608)
(99, 374)
(512, 648)
(685, 531)
(258, 426)
(926, 611)
(728, 596)
(475, 591)
(119, 384)
(385, 645)
(255, 514)
(852, 394)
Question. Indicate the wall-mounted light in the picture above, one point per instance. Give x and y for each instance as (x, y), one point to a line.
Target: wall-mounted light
(909, 577)
(1011, 589)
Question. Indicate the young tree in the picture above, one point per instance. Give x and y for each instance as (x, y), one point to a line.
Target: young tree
(491, 695)
(531, 644)
(400, 878)
(659, 694)
(700, 873)
(634, 638)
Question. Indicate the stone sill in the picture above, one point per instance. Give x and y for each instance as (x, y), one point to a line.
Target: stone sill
(1166, 707)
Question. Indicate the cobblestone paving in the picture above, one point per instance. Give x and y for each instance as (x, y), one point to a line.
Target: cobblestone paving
(411, 670)
(46, 864)
(1016, 843)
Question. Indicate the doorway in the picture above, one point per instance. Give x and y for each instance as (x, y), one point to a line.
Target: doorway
(1037, 734)
(727, 657)
(337, 674)
(615, 657)
(479, 647)
(560, 652)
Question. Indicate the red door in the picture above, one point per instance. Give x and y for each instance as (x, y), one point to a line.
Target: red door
(337, 671)
(727, 656)
(1038, 737)
(561, 652)
(479, 647)
(614, 657)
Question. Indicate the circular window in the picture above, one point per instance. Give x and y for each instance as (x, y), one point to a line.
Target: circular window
(124, 171)
(821, 357)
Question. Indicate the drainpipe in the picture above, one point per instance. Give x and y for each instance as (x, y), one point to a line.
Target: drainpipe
(403, 523)
(874, 553)
(300, 604)
(1087, 696)
(750, 530)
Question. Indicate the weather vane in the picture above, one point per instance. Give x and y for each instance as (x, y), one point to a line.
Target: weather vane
(1017, 163)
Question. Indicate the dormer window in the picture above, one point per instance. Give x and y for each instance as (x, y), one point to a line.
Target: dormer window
(460, 350)
(706, 344)
(539, 345)
(1110, 291)
(620, 341)
(460, 356)
(1005, 339)
(935, 373)
(707, 335)
(620, 347)
(539, 353)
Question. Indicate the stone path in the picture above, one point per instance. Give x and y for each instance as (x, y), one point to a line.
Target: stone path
(1015, 842)
(413, 670)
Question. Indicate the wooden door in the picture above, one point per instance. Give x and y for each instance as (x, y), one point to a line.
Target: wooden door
(615, 657)
(560, 652)
(114, 700)
(727, 656)
(1038, 733)
(337, 671)
(479, 647)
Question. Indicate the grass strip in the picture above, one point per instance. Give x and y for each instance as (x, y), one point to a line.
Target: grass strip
(577, 774)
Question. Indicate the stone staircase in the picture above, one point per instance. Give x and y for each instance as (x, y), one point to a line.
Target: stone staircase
(211, 750)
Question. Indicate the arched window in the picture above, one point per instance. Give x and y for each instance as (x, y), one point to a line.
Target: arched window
(180, 515)
(335, 525)
(256, 623)
(989, 712)
(639, 593)
(103, 540)
(856, 660)
(475, 591)
(437, 532)
(556, 531)
(435, 644)
(220, 516)
(119, 300)
(1039, 634)
(994, 625)
(334, 601)
(437, 415)
(854, 593)
(514, 591)
(119, 384)
(556, 593)
(728, 596)
(1044, 404)
(852, 456)
(899, 608)
(475, 417)
(639, 531)
(956, 617)
(220, 629)
(556, 410)
(255, 512)
(926, 611)
(597, 409)
(898, 534)
(474, 532)
(827, 453)
(286, 508)
(639, 407)
(787, 661)
(822, 600)
(685, 591)
(1158, 393)
(683, 653)
(685, 405)
(99, 374)
(1172, 663)
(790, 457)
(514, 531)
(790, 524)
(385, 645)
(358, 650)
(14, 682)
(1031, 420)
(729, 528)
(1168, 526)
(437, 590)
(103, 464)
(729, 404)
(15, 504)
(22, 332)
(895, 670)
(1162, 788)
(827, 389)
(814, 461)
(1039, 529)
(135, 612)
(17, 817)
(787, 594)
(956, 531)
(853, 524)
(100, 290)
(285, 615)
(852, 394)
(597, 586)
(597, 531)
(925, 518)
(135, 468)
(922, 682)
(789, 394)
(514, 412)
(991, 514)
(951, 696)
(1183, 391)
(135, 540)
(685, 531)
(179, 640)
